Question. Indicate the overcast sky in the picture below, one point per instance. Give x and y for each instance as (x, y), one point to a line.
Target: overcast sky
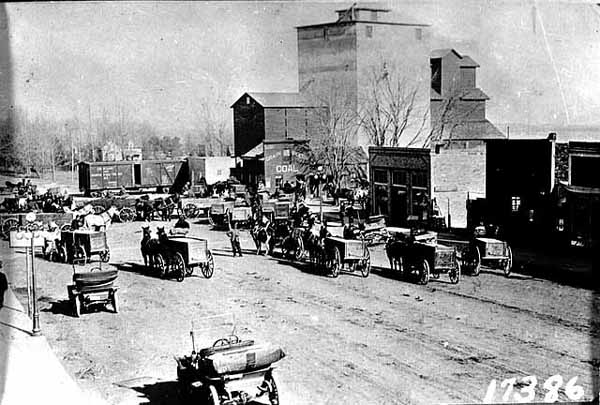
(540, 61)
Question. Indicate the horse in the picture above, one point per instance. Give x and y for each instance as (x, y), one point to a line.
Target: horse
(149, 246)
(394, 250)
(261, 235)
(99, 222)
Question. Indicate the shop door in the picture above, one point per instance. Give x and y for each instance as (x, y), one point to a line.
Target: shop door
(399, 212)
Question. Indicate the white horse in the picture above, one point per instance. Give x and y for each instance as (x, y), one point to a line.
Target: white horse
(101, 221)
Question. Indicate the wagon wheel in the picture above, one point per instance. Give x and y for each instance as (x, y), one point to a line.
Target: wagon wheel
(473, 261)
(208, 268)
(272, 390)
(190, 211)
(126, 215)
(337, 263)
(507, 263)
(81, 255)
(105, 256)
(159, 265)
(63, 255)
(213, 396)
(299, 252)
(178, 266)
(77, 305)
(115, 302)
(221, 342)
(98, 209)
(365, 263)
(424, 273)
(189, 270)
(8, 225)
(65, 227)
(211, 221)
(454, 273)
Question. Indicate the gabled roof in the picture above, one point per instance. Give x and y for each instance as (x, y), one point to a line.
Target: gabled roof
(466, 61)
(471, 130)
(474, 94)
(440, 53)
(273, 100)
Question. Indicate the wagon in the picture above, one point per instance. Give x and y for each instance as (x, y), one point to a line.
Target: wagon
(231, 371)
(78, 246)
(488, 251)
(220, 213)
(422, 255)
(93, 288)
(241, 215)
(350, 254)
(431, 259)
(10, 222)
(179, 255)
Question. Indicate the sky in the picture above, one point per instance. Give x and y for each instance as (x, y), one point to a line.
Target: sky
(540, 60)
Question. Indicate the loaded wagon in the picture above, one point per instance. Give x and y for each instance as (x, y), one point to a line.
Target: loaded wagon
(78, 246)
(130, 175)
(421, 254)
(179, 255)
(347, 254)
(488, 251)
(10, 222)
(241, 215)
(93, 288)
(220, 213)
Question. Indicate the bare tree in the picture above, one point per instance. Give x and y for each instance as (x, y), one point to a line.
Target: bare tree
(213, 129)
(390, 107)
(332, 147)
(446, 115)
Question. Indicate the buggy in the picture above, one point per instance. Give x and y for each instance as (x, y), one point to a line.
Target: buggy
(231, 371)
(179, 255)
(92, 288)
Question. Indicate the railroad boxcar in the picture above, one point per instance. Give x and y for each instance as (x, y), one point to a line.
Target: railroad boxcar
(128, 174)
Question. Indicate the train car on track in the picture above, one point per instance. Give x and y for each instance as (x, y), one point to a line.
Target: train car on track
(129, 174)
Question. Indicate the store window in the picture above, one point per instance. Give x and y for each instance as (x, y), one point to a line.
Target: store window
(515, 203)
(381, 199)
(287, 156)
(380, 176)
(399, 178)
(419, 179)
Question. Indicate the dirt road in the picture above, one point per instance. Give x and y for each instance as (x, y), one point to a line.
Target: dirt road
(375, 340)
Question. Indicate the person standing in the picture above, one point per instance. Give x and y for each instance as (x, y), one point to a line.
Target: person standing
(234, 238)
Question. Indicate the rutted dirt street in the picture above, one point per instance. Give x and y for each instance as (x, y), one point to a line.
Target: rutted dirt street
(348, 340)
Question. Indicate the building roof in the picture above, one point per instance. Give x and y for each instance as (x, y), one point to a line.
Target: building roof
(474, 94)
(466, 61)
(257, 152)
(471, 130)
(440, 53)
(273, 100)
(362, 7)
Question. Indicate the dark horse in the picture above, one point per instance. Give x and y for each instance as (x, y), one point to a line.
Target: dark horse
(149, 246)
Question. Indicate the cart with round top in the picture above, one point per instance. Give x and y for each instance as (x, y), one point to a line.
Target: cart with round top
(347, 254)
(230, 372)
(179, 255)
(94, 287)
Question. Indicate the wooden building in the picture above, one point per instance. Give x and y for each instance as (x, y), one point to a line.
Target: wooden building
(267, 128)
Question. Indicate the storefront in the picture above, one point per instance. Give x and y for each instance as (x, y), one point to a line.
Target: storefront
(400, 183)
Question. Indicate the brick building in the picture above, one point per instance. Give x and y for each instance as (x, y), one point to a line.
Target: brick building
(460, 131)
(341, 54)
(267, 128)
